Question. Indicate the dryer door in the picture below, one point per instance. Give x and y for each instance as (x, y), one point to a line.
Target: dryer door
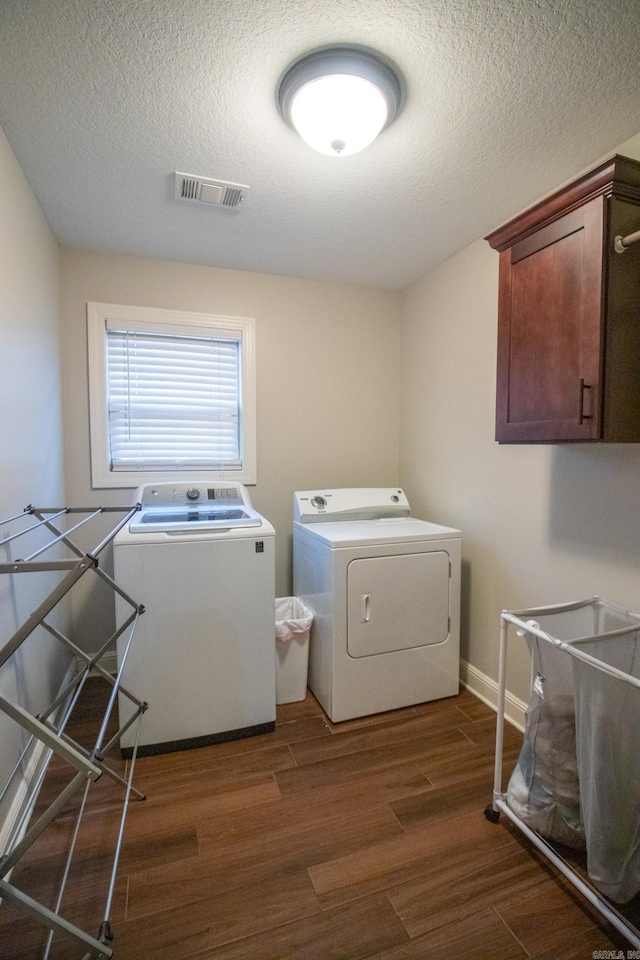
(396, 603)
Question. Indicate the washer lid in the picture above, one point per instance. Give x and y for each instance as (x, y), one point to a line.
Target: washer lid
(356, 533)
(181, 518)
(360, 503)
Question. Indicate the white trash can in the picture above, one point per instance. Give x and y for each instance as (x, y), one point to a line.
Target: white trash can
(293, 627)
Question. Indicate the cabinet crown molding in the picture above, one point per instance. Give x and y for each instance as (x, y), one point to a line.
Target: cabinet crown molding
(618, 176)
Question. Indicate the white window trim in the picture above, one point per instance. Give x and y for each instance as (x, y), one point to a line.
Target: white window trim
(164, 320)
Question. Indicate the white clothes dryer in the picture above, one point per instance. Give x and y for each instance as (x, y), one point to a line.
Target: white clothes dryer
(201, 561)
(384, 588)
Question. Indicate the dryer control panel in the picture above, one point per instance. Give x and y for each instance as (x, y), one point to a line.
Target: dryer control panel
(352, 503)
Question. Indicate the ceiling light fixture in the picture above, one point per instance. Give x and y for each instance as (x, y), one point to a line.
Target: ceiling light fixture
(339, 99)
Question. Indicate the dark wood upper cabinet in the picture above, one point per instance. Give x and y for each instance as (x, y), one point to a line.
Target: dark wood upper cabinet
(569, 314)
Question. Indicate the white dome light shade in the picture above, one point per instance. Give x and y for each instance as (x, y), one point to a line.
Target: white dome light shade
(339, 99)
(340, 114)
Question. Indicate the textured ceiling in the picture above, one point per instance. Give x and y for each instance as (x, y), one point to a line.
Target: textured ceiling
(102, 100)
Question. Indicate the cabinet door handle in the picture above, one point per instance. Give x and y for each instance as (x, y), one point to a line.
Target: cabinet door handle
(582, 416)
(365, 608)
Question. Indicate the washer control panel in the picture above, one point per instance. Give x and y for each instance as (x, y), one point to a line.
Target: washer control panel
(360, 503)
(218, 492)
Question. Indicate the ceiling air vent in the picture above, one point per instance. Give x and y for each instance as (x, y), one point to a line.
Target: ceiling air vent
(204, 190)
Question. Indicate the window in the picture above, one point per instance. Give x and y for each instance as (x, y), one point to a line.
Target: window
(170, 393)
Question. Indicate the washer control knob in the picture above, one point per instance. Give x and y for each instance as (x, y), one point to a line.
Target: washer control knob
(318, 502)
(193, 494)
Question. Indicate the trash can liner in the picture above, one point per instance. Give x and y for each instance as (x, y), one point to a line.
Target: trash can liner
(608, 737)
(293, 618)
(544, 789)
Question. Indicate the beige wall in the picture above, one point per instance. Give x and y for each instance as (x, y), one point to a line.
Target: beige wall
(540, 524)
(30, 429)
(327, 374)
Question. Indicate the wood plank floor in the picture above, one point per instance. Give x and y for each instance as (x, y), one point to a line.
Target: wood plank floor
(319, 841)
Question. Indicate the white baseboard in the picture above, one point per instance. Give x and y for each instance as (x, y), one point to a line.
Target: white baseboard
(23, 801)
(32, 766)
(486, 689)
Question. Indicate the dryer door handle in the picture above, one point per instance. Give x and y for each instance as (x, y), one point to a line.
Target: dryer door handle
(365, 608)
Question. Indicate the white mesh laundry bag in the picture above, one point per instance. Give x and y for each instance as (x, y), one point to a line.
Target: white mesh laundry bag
(544, 789)
(608, 739)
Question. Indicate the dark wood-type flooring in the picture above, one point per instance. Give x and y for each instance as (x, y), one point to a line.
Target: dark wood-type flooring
(320, 841)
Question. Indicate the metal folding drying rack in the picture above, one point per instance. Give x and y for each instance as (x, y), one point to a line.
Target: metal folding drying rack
(524, 621)
(48, 727)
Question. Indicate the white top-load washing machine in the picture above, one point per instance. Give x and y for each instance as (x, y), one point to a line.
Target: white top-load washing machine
(201, 562)
(384, 588)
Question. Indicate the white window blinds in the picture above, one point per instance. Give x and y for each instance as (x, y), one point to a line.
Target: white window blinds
(174, 401)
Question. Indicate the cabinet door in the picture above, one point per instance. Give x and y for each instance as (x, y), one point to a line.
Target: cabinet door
(549, 331)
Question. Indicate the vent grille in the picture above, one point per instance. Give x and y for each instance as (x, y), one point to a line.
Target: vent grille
(204, 190)
(232, 196)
